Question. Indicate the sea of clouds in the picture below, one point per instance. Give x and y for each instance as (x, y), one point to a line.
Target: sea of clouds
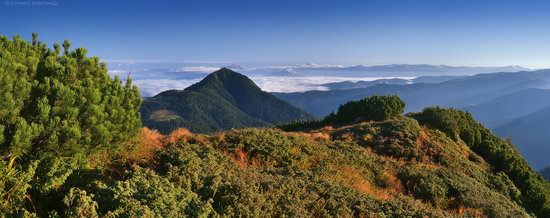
(150, 87)
(152, 82)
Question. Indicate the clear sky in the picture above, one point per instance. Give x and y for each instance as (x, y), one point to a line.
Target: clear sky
(461, 32)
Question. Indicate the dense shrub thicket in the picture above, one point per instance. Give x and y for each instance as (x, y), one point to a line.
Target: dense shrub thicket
(529, 189)
(57, 108)
(375, 108)
(372, 108)
(499, 153)
(353, 171)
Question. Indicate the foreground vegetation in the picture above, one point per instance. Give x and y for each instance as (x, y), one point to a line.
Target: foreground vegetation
(72, 146)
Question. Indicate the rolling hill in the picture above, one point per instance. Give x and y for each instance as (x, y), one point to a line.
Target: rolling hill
(530, 133)
(223, 100)
(503, 109)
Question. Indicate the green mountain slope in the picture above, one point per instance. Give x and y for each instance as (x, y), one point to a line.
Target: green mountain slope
(223, 100)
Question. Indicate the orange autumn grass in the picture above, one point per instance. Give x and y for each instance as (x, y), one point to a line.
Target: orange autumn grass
(352, 177)
(149, 141)
(178, 134)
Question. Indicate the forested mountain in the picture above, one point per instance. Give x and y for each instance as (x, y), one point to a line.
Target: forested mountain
(223, 100)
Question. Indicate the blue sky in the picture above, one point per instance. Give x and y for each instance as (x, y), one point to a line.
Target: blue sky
(462, 32)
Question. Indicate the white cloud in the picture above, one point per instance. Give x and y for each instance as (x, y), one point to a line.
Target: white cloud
(151, 87)
(304, 83)
(306, 66)
(197, 69)
(151, 83)
(143, 61)
(116, 72)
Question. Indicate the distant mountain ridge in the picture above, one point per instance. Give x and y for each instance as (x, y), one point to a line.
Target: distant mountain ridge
(395, 70)
(506, 108)
(429, 67)
(224, 99)
(494, 98)
(531, 133)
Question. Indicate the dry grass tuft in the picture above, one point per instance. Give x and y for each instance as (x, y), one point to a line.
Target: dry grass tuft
(319, 136)
(143, 150)
(469, 212)
(151, 138)
(241, 157)
(179, 135)
(393, 184)
(352, 177)
(314, 136)
(327, 128)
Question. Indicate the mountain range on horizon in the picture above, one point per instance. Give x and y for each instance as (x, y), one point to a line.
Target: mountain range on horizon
(428, 69)
(154, 78)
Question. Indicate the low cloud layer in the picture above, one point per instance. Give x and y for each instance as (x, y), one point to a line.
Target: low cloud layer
(150, 87)
(271, 79)
(302, 84)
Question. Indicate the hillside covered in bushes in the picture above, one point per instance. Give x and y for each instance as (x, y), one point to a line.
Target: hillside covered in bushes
(72, 145)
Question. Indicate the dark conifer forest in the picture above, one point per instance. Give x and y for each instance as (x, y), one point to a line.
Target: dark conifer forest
(72, 144)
